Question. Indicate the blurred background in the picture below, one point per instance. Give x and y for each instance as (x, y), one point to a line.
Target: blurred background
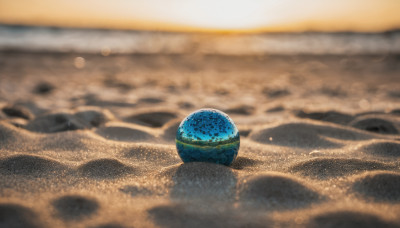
(234, 55)
(208, 27)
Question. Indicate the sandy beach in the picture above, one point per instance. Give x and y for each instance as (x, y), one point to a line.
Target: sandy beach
(88, 140)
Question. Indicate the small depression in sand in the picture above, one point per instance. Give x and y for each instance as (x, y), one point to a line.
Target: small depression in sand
(110, 225)
(17, 111)
(245, 110)
(374, 124)
(59, 122)
(329, 116)
(82, 118)
(150, 100)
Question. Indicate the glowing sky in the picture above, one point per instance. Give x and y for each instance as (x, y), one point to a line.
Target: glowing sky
(207, 15)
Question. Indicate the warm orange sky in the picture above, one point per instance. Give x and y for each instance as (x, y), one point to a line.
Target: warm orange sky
(207, 15)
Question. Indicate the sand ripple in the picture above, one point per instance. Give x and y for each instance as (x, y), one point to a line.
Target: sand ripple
(120, 133)
(349, 219)
(374, 124)
(83, 118)
(323, 168)
(29, 165)
(17, 216)
(198, 180)
(385, 148)
(277, 191)
(105, 168)
(75, 207)
(329, 116)
(177, 215)
(151, 119)
(306, 135)
(17, 111)
(381, 186)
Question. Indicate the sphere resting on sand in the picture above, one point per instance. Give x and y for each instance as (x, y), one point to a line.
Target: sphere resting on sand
(208, 135)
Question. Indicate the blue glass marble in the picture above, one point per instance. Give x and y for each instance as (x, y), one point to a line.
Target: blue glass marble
(208, 135)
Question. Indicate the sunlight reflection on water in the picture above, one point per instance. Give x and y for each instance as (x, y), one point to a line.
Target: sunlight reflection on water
(109, 42)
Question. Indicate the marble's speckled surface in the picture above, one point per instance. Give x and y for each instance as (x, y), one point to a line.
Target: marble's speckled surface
(208, 135)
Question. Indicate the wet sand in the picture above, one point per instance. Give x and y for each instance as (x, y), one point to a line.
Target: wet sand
(90, 142)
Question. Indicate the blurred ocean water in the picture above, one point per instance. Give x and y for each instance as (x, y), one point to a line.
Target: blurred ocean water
(153, 42)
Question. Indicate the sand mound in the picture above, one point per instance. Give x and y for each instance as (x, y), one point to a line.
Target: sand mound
(151, 119)
(381, 186)
(29, 165)
(16, 216)
(8, 132)
(323, 168)
(293, 135)
(179, 216)
(278, 191)
(105, 168)
(387, 149)
(305, 135)
(374, 124)
(75, 207)
(348, 219)
(329, 116)
(198, 180)
(127, 134)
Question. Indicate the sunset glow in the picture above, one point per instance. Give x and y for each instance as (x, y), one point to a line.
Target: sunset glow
(207, 15)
